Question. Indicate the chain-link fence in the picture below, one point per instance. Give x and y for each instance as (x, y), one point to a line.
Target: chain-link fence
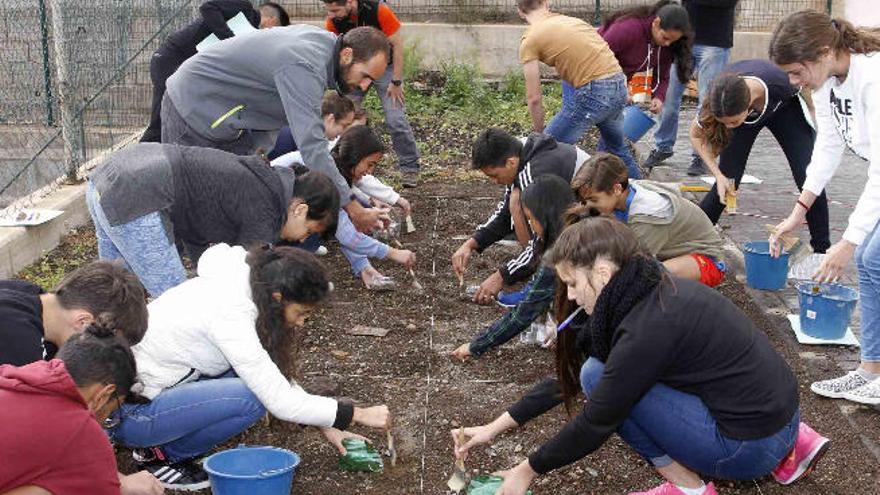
(75, 79)
(74, 82)
(753, 15)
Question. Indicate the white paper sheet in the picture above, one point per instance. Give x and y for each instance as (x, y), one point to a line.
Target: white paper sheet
(238, 24)
(848, 338)
(27, 217)
(747, 179)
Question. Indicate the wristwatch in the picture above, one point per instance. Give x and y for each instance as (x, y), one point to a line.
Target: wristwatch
(396, 82)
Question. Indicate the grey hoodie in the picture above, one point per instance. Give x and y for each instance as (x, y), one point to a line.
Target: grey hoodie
(260, 82)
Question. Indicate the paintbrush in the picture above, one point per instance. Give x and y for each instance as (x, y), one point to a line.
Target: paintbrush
(416, 285)
(391, 450)
(568, 320)
(797, 249)
(458, 481)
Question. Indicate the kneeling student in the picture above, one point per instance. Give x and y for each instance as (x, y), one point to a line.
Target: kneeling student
(672, 228)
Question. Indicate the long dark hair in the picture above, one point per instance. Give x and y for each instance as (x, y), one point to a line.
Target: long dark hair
(548, 197)
(355, 144)
(728, 96)
(672, 17)
(589, 235)
(295, 274)
(803, 37)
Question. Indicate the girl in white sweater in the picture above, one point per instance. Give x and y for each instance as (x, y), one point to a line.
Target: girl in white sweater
(841, 64)
(216, 357)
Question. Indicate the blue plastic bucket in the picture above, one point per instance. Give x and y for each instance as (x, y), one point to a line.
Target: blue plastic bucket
(251, 470)
(826, 309)
(762, 270)
(636, 122)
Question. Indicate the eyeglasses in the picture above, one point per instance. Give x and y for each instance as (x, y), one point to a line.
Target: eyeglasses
(116, 417)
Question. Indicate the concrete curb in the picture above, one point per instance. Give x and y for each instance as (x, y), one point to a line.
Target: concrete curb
(21, 246)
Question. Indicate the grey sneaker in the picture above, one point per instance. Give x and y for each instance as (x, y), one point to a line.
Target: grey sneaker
(656, 157)
(697, 167)
(868, 393)
(837, 388)
(409, 180)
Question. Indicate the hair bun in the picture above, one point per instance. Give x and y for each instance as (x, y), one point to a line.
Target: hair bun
(101, 328)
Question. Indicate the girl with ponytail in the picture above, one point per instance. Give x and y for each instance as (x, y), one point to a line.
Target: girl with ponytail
(747, 97)
(840, 63)
(674, 368)
(219, 354)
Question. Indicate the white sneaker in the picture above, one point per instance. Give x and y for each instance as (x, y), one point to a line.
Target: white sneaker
(321, 251)
(868, 393)
(836, 388)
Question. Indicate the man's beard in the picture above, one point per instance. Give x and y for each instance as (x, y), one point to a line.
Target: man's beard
(344, 74)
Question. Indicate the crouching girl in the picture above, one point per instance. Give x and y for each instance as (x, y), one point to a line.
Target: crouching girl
(217, 355)
(674, 368)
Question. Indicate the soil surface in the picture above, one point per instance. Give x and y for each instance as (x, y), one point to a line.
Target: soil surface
(429, 394)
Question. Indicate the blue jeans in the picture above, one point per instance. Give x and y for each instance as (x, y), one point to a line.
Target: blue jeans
(357, 246)
(402, 138)
(144, 244)
(667, 425)
(708, 62)
(190, 419)
(868, 264)
(598, 103)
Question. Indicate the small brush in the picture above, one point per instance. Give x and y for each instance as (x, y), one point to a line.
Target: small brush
(416, 285)
(568, 320)
(797, 249)
(392, 452)
(458, 481)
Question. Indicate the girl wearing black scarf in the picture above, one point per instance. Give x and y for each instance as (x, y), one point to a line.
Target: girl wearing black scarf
(675, 368)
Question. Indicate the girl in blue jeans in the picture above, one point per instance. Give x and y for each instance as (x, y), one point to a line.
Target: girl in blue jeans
(674, 368)
(839, 63)
(216, 357)
(147, 196)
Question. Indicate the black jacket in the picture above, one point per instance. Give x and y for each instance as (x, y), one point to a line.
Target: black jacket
(693, 339)
(541, 155)
(214, 14)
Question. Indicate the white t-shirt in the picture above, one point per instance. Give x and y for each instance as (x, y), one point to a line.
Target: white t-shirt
(848, 115)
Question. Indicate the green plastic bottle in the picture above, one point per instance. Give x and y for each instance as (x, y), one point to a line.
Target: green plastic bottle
(360, 457)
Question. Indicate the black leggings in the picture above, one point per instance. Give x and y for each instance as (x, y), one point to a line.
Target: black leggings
(162, 65)
(796, 137)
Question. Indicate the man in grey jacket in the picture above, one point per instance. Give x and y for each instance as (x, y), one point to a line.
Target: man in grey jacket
(235, 95)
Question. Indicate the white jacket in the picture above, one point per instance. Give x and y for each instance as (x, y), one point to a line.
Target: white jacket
(848, 115)
(205, 326)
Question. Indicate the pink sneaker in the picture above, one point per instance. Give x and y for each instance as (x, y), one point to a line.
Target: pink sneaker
(808, 449)
(670, 489)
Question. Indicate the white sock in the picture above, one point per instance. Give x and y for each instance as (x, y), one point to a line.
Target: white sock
(692, 491)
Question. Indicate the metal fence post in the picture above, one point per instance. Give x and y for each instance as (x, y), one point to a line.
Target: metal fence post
(47, 70)
(829, 6)
(71, 125)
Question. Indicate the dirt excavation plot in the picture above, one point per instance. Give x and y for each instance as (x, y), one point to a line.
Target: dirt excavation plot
(430, 394)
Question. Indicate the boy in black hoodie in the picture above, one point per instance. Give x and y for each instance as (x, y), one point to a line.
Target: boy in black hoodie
(515, 163)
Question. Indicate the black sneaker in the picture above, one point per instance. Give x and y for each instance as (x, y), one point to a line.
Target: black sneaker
(697, 167)
(656, 157)
(185, 475)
